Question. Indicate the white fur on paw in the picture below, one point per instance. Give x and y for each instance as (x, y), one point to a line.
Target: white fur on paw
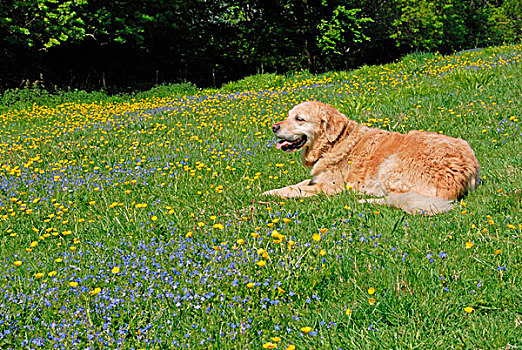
(373, 200)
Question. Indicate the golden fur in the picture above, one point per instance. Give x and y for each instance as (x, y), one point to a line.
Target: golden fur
(420, 172)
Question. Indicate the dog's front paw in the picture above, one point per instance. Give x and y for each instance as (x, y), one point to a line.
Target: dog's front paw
(270, 193)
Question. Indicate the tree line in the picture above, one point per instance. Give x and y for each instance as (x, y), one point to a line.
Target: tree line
(130, 44)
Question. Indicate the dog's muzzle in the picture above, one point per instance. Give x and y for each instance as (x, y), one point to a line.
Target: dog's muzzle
(288, 145)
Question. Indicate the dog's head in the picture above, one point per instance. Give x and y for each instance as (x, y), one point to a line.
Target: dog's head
(310, 126)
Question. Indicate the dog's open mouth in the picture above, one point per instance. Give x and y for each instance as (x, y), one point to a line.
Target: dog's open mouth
(287, 145)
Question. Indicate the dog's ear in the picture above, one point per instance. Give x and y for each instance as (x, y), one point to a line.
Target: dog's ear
(333, 122)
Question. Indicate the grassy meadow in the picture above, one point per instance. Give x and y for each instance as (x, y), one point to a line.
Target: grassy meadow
(137, 223)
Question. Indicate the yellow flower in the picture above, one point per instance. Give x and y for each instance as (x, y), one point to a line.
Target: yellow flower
(18, 263)
(371, 290)
(322, 252)
(34, 244)
(189, 234)
(59, 260)
(276, 339)
(240, 241)
(269, 345)
(469, 245)
(251, 285)
(371, 301)
(306, 329)
(39, 275)
(115, 270)
(498, 251)
(219, 226)
(468, 309)
(52, 273)
(255, 235)
(316, 237)
(73, 284)
(323, 230)
(261, 263)
(154, 218)
(348, 312)
(290, 347)
(92, 202)
(95, 291)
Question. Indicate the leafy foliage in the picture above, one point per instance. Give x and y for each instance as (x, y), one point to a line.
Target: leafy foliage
(94, 44)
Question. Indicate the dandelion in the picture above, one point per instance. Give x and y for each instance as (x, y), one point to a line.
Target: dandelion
(95, 291)
(306, 329)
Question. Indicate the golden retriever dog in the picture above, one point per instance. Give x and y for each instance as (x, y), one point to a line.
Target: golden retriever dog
(419, 172)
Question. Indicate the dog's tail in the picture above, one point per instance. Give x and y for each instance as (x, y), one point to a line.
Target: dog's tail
(419, 204)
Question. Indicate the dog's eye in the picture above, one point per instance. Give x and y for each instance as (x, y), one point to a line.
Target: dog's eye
(299, 119)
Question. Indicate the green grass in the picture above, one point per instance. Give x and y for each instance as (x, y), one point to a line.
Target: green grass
(166, 187)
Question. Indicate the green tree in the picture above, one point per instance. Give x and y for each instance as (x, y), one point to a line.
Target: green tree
(340, 34)
(41, 24)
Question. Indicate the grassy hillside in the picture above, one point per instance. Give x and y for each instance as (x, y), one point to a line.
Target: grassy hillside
(136, 223)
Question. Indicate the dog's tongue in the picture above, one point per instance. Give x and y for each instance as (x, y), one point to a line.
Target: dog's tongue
(283, 143)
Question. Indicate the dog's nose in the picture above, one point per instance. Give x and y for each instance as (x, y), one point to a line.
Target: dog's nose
(275, 127)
